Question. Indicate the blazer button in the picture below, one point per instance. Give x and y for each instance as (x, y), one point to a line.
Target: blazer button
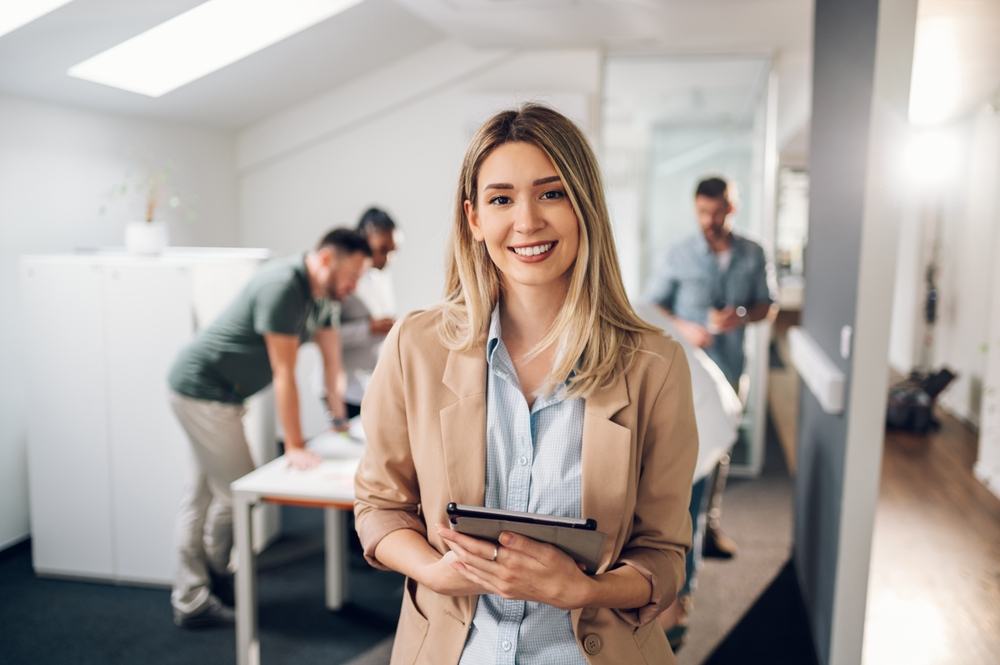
(592, 644)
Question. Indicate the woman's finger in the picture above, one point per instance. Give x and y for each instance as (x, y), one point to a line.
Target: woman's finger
(480, 548)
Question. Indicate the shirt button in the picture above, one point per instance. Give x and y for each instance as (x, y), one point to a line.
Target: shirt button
(591, 644)
(522, 460)
(505, 645)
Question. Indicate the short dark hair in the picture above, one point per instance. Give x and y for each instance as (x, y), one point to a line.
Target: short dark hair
(376, 219)
(345, 241)
(714, 188)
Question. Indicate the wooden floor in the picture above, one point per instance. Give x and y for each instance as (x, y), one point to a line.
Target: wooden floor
(934, 586)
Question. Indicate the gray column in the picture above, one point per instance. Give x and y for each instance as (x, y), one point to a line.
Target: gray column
(862, 62)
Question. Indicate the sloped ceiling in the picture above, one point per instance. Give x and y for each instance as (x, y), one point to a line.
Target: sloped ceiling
(34, 60)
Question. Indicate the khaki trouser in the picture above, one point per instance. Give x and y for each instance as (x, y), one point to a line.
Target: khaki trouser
(203, 534)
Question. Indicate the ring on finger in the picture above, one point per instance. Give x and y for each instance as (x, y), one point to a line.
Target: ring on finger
(496, 551)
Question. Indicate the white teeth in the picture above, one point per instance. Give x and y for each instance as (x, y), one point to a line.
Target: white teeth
(533, 251)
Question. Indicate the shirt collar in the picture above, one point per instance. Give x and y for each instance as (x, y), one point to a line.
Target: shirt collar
(493, 337)
(303, 273)
(493, 343)
(703, 247)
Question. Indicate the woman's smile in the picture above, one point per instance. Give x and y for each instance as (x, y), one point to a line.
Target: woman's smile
(535, 252)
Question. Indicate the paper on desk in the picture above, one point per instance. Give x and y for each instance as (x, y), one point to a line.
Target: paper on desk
(331, 445)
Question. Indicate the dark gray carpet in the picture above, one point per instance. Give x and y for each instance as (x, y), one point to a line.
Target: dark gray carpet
(56, 621)
(757, 514)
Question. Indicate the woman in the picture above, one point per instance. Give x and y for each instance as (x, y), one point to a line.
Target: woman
(532, 387)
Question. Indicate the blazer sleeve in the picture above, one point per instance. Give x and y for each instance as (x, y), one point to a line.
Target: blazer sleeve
(385, 486)
(661, 532)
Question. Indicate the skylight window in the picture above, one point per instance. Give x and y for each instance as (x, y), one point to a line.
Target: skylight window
(201, 41)
(15, 13)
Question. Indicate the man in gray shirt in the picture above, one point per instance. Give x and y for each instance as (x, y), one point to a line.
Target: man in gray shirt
(253, 343)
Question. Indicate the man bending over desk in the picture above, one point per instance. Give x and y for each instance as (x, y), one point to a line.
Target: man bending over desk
(253, 342)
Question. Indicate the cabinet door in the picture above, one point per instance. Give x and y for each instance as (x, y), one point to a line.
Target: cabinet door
(149, 319)
(68, 463)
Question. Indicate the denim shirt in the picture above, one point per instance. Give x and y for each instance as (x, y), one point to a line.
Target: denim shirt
(533, 464)
(688, 281)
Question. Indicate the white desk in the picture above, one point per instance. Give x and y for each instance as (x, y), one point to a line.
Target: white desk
(329, 486)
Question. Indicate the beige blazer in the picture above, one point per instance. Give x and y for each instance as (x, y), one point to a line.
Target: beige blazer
(424, 416)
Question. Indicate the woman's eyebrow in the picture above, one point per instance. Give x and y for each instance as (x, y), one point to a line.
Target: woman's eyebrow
(540, 181)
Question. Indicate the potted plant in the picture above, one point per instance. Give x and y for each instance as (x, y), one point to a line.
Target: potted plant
(147, 187)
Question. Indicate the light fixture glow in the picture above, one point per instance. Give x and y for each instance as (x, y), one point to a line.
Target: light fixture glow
(15, 13)
(934, 84)
(202, 40)
(932, 158)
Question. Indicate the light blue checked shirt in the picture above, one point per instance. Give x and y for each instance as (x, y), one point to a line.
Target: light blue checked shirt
(688, 281)
(532, 465)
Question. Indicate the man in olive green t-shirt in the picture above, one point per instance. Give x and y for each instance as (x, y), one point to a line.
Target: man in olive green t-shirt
(253, 343)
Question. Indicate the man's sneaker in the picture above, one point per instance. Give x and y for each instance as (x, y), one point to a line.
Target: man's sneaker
(215, 614)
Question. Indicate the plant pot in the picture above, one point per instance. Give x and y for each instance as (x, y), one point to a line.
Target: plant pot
(146, 238)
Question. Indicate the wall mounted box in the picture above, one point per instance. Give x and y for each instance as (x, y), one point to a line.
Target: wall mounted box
(107, 460)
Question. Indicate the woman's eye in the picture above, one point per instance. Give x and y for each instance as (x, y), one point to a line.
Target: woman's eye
(554, 194)
(500, 200)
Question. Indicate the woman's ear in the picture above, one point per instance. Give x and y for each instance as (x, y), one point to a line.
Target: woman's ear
(473, 219)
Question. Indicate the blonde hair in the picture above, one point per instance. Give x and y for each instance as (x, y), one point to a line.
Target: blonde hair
(597, 332)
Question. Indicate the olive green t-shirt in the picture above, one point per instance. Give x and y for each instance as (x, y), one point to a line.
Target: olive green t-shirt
(227, 361)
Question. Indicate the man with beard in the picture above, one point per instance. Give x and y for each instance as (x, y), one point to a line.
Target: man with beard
(253, 343)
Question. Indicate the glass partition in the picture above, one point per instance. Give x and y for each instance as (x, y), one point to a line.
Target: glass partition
(668, 122)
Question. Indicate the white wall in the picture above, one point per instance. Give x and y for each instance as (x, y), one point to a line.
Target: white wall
(55, 165)
(966, 212)
(395, 138)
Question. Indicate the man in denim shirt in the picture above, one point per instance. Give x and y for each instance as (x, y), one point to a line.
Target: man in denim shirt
(712, 284)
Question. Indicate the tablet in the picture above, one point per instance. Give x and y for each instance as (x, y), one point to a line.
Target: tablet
(579, 538)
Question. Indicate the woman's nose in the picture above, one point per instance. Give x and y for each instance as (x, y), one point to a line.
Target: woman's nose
(527, 218)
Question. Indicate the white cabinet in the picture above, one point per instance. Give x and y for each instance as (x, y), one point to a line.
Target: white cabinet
(107, 459)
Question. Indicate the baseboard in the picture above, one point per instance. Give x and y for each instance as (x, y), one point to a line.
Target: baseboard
(101, 579)
(16, 540)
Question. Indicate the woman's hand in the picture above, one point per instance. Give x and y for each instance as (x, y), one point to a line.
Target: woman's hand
(524, 569)
(442, 577)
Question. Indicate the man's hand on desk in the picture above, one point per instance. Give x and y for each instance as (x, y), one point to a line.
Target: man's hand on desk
(302, 459)
(381, 326)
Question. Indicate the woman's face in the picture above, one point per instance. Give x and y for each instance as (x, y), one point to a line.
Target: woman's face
(525, 217)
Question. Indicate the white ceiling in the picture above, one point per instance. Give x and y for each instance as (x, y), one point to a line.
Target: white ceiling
(683, 90)
(680, 26)
(34, 58)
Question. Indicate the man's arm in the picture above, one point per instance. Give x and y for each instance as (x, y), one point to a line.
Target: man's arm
(282, 352)
(693, 333)
(328, 341)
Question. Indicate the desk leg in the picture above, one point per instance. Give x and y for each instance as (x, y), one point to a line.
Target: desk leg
(247, 640)
(336, 558)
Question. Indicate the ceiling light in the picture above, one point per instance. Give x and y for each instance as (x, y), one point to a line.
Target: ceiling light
(15, 13)
(202, 40)
(935, 80)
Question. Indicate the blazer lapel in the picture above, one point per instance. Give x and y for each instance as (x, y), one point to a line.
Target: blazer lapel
(463, 425)
(607, 458)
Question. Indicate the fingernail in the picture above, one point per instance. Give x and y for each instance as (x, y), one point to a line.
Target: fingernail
(506, 538)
